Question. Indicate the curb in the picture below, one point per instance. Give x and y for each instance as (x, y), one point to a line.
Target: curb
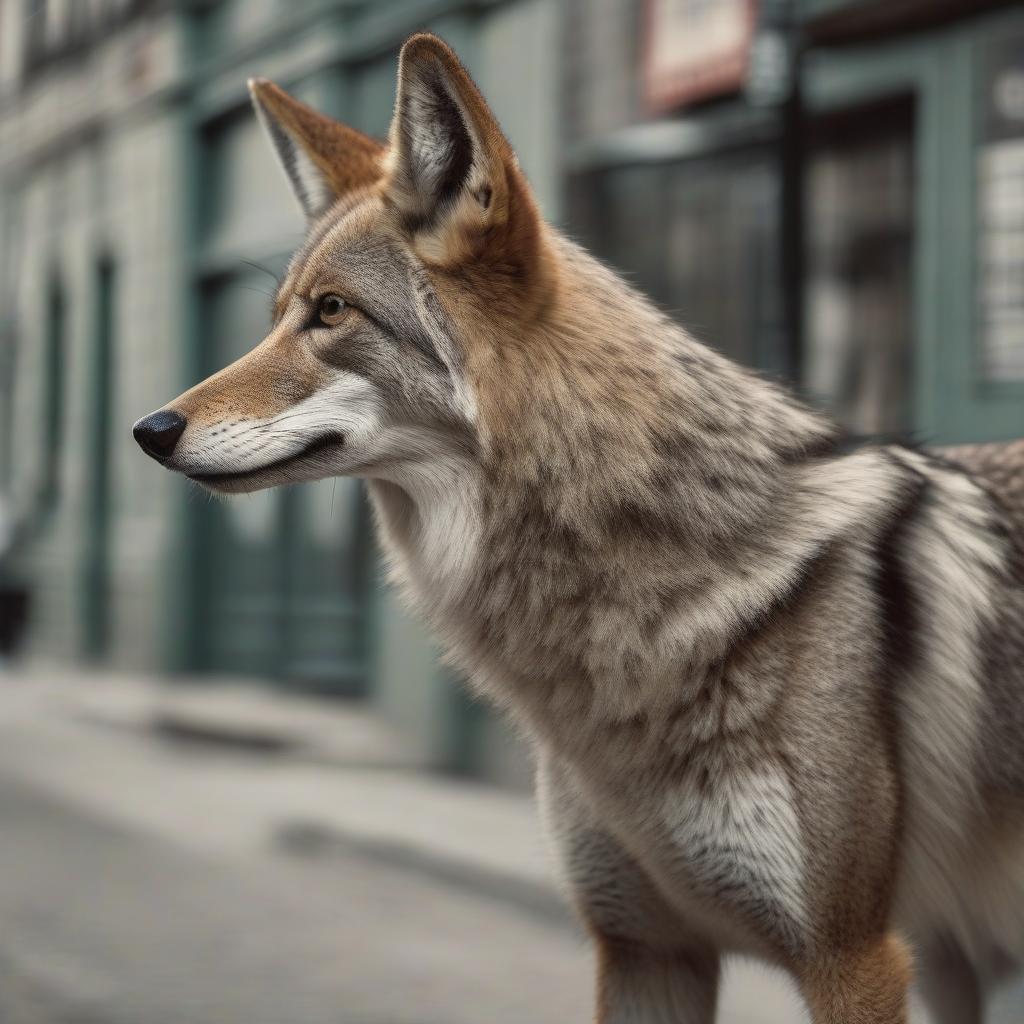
(355, 789)
(312, 839)
(243, 717)
(189, 729)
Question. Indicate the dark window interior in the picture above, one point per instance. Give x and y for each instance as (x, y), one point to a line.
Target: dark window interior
(698, 237)
(859, 232)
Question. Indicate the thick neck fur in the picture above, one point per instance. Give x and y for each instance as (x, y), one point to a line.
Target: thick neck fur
(639, 505)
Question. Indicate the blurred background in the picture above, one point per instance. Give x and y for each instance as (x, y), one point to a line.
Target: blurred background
(831, 191)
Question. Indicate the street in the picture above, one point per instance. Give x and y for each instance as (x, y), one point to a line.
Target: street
(146, 880)
(102, 925)
(195, 915)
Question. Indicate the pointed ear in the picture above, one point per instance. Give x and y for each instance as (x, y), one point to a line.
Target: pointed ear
(322, 158)
(450, 163)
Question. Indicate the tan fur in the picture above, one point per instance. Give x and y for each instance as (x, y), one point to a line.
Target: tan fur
(347, 158)
(774, 689)
(265, 382)
(865, 985)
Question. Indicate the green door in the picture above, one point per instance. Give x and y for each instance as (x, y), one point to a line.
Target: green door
(242, 573)
(325, 542)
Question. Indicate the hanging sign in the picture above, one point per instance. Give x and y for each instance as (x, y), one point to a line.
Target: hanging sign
(695, 49)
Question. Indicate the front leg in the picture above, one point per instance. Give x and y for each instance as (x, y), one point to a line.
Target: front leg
(640, 985)
(866, 984)
(651, 969)
(948, 982)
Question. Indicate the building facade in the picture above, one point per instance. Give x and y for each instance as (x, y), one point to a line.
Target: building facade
(830, 190)
(142, 220)
(900, 136)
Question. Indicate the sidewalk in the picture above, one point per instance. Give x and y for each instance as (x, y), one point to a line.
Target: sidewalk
(147, 875)
(233, 771)
(227, 771)
(378, 797)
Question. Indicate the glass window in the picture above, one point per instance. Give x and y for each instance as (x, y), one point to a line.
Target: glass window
(1000, 309)
(859, 224)
(696, 236)
(246, 202)
(722, 265)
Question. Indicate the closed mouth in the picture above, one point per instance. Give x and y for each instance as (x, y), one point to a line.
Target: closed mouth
(332, 440)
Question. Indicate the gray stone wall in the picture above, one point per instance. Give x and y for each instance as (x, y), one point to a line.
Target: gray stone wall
(90, 168)
(95, 151)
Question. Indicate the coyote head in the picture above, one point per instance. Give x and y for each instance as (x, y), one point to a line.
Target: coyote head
(434, 336)
(413, 248)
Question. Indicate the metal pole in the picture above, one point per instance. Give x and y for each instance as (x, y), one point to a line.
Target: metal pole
(775, 81)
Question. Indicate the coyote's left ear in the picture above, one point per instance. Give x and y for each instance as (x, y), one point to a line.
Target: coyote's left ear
(454, 176)
(322, 158)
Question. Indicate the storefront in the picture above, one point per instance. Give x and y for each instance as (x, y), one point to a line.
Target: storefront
(907, 302)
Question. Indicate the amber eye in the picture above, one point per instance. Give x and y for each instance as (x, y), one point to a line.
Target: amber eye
(330, 309)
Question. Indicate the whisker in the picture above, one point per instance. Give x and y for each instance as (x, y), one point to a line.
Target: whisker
(265, 270)
(250, 288)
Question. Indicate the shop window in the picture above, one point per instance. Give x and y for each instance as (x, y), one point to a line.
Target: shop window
(722, 268)
(859, 230)
(1000, 169)
(699, 238)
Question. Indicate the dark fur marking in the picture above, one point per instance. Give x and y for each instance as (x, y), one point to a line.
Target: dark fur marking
(1003, 520)
(901, 645)
(828, 447)
(286, 150)
(900, 625)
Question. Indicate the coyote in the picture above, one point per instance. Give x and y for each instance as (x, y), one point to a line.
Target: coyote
(774, 685)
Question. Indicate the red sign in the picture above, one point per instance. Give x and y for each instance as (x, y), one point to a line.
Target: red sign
(695, 49)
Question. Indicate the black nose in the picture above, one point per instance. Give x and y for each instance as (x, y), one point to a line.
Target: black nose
(158, 433)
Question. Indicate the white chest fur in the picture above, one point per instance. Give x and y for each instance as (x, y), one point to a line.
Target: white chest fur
(430, 521)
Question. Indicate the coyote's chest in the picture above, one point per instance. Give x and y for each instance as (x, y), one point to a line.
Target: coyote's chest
(717, 828)
(701, 795)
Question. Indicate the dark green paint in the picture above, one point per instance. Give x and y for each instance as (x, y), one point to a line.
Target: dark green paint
(52, 426)
(96, 560)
